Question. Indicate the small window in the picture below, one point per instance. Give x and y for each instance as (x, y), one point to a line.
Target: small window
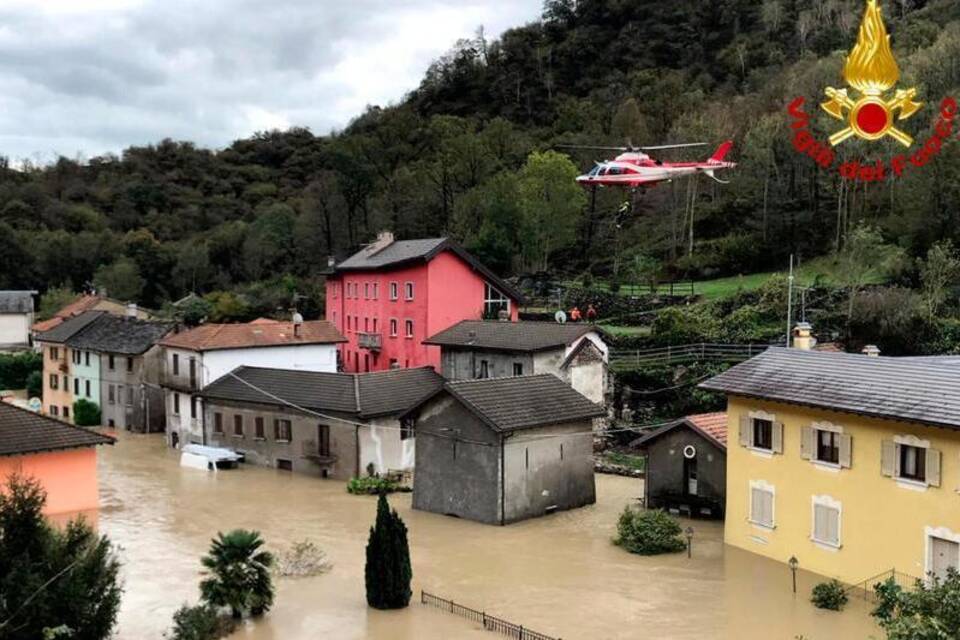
(129, 364)
(54, 410)
(407, 428)
(284, 465)
(258, 432)
(408, 327)
(66, 412)
(323, 432)
(394, 290)
(176, 404)
(238, 425)
(408, 290)
(111, 423)
(376, 290)
(86, 387)
(76, 386)
(393, 327)
(761, 506)
(130, 396)
(54, 381)
(282, 430)
(913, 463)
(366, 291)
(762, 434)
(112, 395)
(828, 446)
(111, 362)
(484, 369)
(86, 358)
(518, 368)
(54, 353)
(218, 422)
(176, 364)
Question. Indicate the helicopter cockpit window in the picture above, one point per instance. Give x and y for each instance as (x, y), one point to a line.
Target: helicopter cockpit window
(613, 171)
(595, 171)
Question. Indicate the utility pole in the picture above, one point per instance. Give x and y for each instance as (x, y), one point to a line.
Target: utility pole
(790, 301)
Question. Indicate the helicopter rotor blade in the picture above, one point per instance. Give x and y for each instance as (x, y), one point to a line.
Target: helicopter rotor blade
(673, 146)
(590, 147)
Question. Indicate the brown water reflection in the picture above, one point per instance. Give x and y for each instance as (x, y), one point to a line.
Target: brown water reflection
(559, 575)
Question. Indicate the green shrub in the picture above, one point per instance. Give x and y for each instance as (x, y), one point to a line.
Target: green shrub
(388, 573)
(649, 533)
(202, 622)
(374, 485)
(15, 368)
(829, 595)
(929, 610)
(35, 384)
(86, 413)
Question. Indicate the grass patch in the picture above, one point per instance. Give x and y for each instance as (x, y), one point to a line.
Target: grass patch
(637, 463)
(621, 330)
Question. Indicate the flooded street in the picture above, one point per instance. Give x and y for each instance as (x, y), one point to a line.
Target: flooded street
(559, 575)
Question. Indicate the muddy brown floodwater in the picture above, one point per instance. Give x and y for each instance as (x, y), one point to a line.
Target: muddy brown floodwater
(559, 575)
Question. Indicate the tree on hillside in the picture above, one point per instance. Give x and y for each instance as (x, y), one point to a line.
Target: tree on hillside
(238, 573)
(551, 203)
(52, 580)
(388, 572)
(864, 257)
(938, 272)
(53, 300)
(120, 280)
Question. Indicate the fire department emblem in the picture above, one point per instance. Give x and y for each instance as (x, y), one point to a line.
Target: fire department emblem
(872, 71)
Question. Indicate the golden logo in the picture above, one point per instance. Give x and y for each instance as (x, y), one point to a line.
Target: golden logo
(872, 70)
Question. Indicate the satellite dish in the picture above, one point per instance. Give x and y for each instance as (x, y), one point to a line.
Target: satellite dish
(34, 404)
(560, 316)
(689, 452)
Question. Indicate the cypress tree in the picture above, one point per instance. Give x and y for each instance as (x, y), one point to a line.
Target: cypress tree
(388, 572)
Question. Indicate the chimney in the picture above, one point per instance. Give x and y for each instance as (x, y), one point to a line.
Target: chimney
(331, 262)
(803, 337)
(871, 350)
(132, 310)
(297, 324)
(384, 240)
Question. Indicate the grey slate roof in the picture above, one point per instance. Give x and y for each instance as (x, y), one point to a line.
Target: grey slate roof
(405, 252)
(919, 390)
(119, 334)
(523, 402)
(16, 301)
(365, 395)
(23, 432)
(509, 336)
(70, 327)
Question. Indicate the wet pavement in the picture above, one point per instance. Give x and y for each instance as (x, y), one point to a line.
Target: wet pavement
(559, 575)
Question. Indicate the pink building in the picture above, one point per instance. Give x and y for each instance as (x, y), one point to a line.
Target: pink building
(389, 297)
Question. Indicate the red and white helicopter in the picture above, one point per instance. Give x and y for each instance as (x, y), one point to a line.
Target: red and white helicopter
(635, 169)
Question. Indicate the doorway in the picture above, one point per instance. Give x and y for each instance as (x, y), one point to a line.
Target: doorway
(690, 475)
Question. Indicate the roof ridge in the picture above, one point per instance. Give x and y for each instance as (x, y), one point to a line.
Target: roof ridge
(356, 392)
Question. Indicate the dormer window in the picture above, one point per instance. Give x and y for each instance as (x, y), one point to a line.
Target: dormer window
(494, 302)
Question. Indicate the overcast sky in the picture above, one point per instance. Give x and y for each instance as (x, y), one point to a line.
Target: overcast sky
(91, 76)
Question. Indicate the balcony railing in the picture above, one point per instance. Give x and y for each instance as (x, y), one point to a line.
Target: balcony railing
(372, 341)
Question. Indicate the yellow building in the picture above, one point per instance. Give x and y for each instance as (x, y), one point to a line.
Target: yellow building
(848, 462)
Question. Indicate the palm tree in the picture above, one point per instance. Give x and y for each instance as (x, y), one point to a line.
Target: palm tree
(238, 573)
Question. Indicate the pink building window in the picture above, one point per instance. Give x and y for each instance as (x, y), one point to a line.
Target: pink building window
(408, 325)
(393, 327)
(408, 290)
(394, 290)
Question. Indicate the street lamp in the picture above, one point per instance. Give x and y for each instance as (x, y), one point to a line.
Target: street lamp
(689, 533)
(794, 563)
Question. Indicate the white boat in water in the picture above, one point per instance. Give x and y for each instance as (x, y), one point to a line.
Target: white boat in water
(198, 456)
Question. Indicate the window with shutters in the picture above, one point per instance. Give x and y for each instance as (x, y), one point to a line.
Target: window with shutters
(826, 521)
(760, 432)
(911, 461)
(826, 445)
(282, 430)
(238, 425)
(762, 497)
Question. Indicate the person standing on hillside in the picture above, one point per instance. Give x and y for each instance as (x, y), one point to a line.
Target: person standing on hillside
(591, 313)
(575, 314)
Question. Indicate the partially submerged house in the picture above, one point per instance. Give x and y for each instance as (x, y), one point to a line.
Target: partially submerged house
(500, 450)
(61, 457)
(849, 462)
(196, 357)
(60, 371)
(574, 352)
(332, 425)
(686, 465)
(16, 316)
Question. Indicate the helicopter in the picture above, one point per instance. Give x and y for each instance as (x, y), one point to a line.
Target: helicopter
(634, 169)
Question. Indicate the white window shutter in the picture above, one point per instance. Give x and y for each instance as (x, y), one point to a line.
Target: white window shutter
(846, 450)
(778, 437)
(746, 431)
(933, 467)
(888, 454)
(806, 443)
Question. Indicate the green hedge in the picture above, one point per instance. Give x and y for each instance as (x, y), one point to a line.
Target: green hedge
(16, 368)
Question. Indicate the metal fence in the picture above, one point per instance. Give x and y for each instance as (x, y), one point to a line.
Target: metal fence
(680, 288)
(702, 352)
(865, 588)
(490, 623)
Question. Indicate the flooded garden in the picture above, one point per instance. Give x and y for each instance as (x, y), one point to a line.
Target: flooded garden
(559, 575)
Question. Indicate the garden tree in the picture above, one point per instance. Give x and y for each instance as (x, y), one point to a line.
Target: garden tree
(938, 273)
(56, 582)
(550, 202)
(34, 384)
(930, 611)
(648, 532)
(200, 622)
(238, 573)
(86, 413)
(54, 299)
(388, 572)
(120, 280)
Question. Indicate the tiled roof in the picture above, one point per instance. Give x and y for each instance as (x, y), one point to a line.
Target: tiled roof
(509, 336)
(79, 305)
(713, 426)
(69, 327)
(210, 337)
(404, 252)
(523, 402)
(16, 301)
(920, 390)
(23, 432)
(363, 394)
(119, 334)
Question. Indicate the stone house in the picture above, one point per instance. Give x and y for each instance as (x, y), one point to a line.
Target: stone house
(331, 425)
(500, 450)
(195, 357)
(574, 352)
(686, 465)
(127, 361)
(16, 316)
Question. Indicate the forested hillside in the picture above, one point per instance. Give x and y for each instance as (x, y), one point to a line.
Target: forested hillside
(470, 153)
